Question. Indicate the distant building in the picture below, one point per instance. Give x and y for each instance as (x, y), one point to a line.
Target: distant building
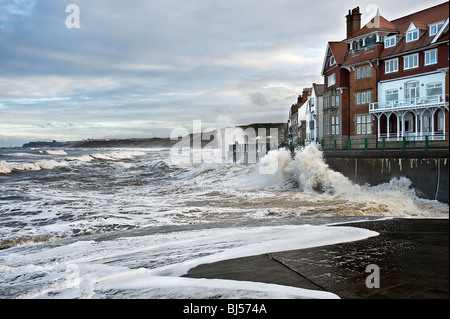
(296, 124)
(314, 115)
(388, 80)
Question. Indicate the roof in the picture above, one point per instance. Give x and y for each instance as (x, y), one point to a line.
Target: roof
(378, 23)
(302, 112)
(421, 20)
(318, 89)
(338, 50)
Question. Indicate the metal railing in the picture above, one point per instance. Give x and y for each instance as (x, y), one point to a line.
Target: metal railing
(412, 102)
(398, 143)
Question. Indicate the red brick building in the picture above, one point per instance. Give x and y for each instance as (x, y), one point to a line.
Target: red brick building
(389, 80)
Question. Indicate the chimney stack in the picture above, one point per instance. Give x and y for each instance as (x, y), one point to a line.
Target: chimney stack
(353, 22)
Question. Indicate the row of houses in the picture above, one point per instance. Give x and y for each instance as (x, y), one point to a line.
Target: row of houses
(387, 81)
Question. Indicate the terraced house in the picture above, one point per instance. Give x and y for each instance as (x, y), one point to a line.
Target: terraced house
(389, 80)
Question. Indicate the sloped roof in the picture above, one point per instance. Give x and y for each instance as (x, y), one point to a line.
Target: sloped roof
(421, 19)
(378, 23)
(339, 50)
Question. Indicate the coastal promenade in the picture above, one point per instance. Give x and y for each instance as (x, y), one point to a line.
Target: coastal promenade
(412, 256)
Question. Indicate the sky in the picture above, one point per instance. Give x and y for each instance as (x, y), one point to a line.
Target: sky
(143, 68)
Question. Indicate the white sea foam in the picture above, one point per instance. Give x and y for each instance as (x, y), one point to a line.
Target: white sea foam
(54, 152)
(6, 168)
(150, 266)
(117, 155)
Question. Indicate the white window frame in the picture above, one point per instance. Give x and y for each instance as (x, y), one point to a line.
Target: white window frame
(428, 55)
(414, 58)
(390, 41)
(363, 124)
(412, 35)
(391, 66)
(390, 92)
(440, 122)
(332, 61)
(363, 97)
(331, 79)
(436, 85)
(435, 27)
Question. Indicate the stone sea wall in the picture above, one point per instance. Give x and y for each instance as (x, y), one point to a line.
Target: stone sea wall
(427, 170)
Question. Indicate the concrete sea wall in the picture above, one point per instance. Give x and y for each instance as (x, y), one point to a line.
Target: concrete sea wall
(427, 170)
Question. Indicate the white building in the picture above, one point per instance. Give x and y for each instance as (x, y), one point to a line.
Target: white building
(314, 115)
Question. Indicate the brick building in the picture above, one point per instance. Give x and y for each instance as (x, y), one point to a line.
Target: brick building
(388, 80)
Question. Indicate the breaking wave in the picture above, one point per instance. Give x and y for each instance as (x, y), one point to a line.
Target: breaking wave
(113, 156)
(53, 152)
(7, 168)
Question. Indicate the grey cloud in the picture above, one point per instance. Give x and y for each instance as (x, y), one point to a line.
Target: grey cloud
(259, 99)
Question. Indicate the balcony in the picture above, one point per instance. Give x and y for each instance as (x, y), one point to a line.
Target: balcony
(413, 103)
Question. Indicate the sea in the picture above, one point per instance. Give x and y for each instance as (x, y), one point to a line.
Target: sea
(125, 223)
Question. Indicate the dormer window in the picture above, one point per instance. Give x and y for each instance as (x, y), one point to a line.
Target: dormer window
(434, 28)
(412, 35)
(332, 61)
(390, 41)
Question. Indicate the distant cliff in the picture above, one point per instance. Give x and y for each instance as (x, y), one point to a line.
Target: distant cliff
(132, 143)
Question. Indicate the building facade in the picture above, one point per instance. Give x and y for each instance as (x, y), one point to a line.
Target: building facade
(314, 115)
(389, 80)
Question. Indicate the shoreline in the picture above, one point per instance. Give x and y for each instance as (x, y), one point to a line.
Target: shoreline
(412, 256)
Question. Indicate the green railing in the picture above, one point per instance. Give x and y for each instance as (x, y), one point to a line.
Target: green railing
(402, 143)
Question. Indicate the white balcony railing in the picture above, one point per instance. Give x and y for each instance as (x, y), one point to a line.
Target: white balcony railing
(408, 103)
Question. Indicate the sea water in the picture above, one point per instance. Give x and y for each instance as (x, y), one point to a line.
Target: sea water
(127, 223)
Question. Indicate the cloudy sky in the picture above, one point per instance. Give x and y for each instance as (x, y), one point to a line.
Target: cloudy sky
(142, 68)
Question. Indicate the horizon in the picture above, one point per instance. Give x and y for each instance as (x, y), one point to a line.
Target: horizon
(111, 70)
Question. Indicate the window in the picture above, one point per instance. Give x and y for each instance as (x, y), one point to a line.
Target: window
(426, 123)
(390, 42)
(336, 98)
(412, 35)
(334, 124)
(332, 61)
(363, 97)
(434, 89)
(412, 90)
(332, 79)
(411, 61)
(440, 123)
(363, 124)
(391, 95)
(434, 28)
(362, 73)
(391, 66)
(431, 57)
